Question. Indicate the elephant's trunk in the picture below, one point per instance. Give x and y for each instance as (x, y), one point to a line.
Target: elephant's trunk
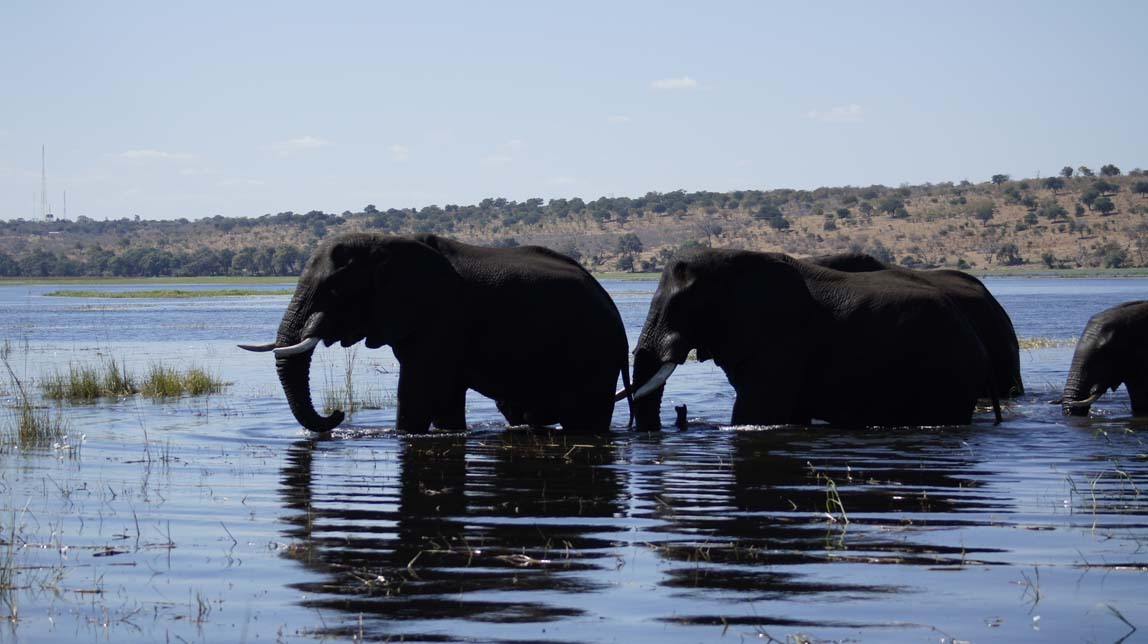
(295, 376)
(647, 408)
(1079, 389)
(294, 367)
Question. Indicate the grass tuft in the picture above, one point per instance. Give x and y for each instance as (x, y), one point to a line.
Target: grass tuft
(1045, 343)
(31, 425)
(167, 382)
(85, 383)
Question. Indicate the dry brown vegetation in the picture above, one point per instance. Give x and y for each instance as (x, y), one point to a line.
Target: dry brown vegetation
(1021, 224)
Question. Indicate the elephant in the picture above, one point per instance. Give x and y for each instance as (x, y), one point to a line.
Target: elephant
(799, 342)
(970, 295)
(525, 326)
(1113, 349)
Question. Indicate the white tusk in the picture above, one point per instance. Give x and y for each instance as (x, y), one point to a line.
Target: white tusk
(1083, 403)
(270, 346)
(295, 349)
(621, 394)
(659, 380)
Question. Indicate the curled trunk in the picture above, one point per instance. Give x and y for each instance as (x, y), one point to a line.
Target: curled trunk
(295, 376)
(294, 369)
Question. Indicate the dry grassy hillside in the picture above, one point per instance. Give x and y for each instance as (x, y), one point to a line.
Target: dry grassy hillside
(1080, 221)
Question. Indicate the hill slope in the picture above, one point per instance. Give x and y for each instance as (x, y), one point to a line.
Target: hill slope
(1041, 223)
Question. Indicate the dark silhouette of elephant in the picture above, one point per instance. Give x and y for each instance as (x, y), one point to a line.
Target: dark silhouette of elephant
(527, 327)
(970, 295)
(799, 342)
(1112, 350)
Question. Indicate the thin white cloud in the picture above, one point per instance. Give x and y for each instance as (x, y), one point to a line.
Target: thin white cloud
(680, 83)
(196, 172)
(618, 119)
(852, 113)
(506, 153)
(299, 144)
(153, 155)
(496, 159)
(399, 152)
(240, 183)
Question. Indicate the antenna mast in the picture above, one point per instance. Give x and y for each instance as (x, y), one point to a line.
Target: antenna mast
(43, 182)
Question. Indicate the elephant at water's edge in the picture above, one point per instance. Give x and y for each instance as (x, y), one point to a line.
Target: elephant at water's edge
(1112, 350)
(970, 295)
(800, 342)
(526, 327)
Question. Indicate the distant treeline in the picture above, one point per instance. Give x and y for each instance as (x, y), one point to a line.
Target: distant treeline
(1073, 219)
(155, 262)
(125, 250)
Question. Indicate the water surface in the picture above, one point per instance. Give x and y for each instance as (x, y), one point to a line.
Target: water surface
(219, 519)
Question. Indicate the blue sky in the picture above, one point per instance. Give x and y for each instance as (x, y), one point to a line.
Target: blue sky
(168, 110)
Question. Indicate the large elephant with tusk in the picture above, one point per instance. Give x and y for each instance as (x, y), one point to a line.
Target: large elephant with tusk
(799, 342)
(526, 327)
(1112, 350)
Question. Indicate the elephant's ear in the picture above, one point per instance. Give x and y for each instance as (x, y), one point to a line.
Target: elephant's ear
(415, 288)
(773, 309)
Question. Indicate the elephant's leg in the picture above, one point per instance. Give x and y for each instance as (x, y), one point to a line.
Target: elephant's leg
(514, 416)
(1138, 395)
(591, 419)
(754, 408)
(450, 409)
(424, 397)
(766, 396)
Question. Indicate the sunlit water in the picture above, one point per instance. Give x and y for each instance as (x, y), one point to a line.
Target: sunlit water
(219, 519)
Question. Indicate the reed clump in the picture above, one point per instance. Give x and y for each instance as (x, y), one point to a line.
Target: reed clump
(163, 381)
(30, 425)
(87, 383)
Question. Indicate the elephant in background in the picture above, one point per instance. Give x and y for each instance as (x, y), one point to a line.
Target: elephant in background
(1112, 350)
(527, 327)
(799, 341)
(970, 295)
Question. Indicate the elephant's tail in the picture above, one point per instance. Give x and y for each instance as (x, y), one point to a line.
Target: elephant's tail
(994, 395)
(627, 388)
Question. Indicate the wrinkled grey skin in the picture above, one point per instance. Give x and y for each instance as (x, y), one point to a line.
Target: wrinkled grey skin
(1112, 350)
(798, 342)
(527, 327)
(969, 294)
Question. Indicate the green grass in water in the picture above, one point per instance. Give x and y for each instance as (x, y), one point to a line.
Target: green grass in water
(167, 382)
(85, 383)
(168, 293)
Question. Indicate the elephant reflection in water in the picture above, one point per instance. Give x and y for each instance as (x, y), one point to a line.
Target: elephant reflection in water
(436, 543)
(765, 513)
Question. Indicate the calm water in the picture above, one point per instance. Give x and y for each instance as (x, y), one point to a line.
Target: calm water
(219, 519)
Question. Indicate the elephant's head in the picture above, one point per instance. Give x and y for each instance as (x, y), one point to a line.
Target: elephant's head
(1112, 350)
(358, 287)
(738, 308)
